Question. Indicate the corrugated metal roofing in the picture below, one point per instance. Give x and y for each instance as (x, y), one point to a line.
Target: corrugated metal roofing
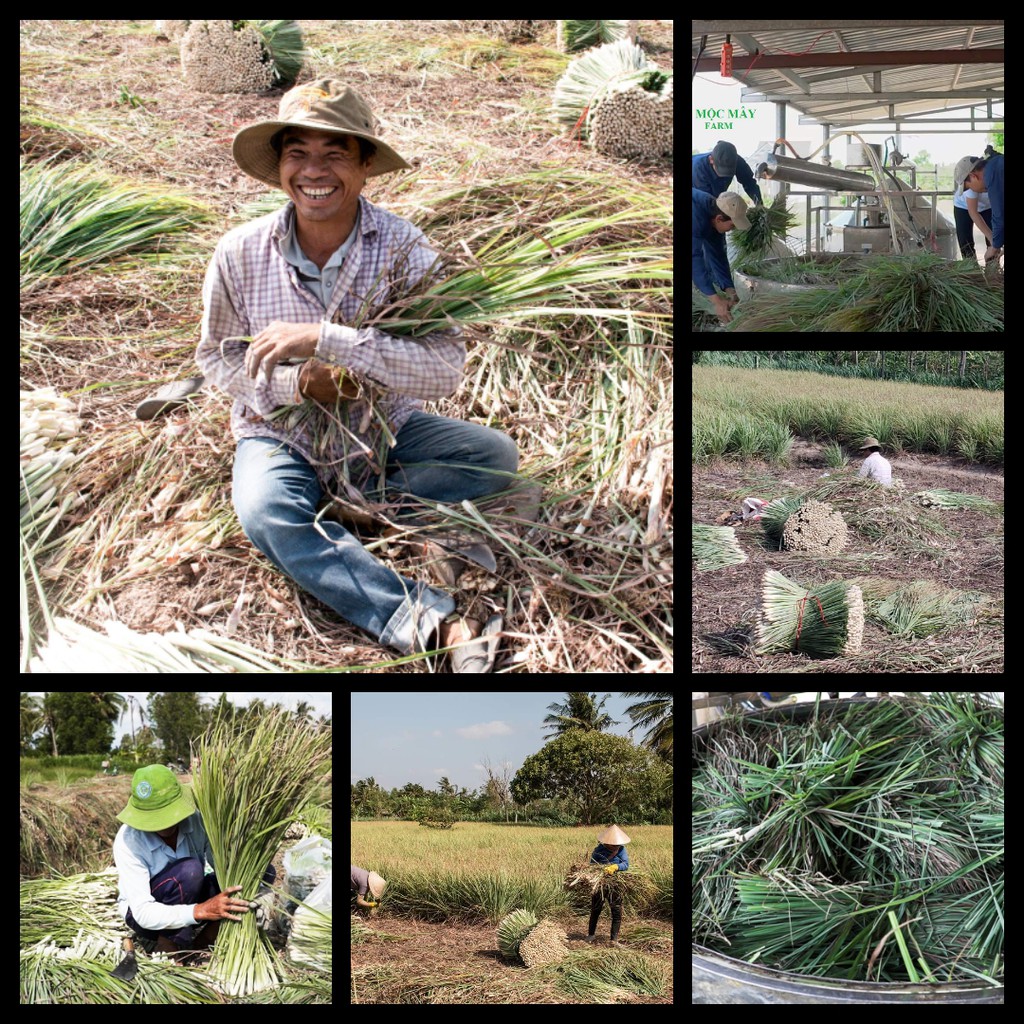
(861, 101)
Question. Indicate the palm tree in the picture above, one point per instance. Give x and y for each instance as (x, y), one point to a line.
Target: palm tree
(580, 711)
(654, 712)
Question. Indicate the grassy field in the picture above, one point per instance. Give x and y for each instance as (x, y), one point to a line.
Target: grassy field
(481, 872)
(433, 937)
(755, 414)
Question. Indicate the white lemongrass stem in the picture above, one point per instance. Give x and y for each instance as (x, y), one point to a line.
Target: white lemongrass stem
(734, 836)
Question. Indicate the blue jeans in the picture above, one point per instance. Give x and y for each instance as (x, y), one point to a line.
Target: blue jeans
(276, 491)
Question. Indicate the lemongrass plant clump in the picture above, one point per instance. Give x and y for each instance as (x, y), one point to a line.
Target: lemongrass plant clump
(254, 776)
(822, 621)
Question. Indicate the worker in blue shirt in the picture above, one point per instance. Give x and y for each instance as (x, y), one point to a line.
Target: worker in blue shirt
(711, 218)
(987, 176)
(713, 172)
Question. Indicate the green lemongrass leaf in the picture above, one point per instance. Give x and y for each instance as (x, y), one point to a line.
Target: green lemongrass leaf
(911, 971)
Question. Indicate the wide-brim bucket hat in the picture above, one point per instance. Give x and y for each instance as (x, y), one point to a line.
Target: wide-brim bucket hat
(158, 800)
(613, 836)
(870, 442)
(376, 883)
(325, 105)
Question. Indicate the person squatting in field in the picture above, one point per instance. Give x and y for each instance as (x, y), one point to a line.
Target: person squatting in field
(364, 882)
(876, 467)
(611, 852)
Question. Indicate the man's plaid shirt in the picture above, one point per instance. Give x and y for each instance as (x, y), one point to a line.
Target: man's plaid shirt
(249, 284)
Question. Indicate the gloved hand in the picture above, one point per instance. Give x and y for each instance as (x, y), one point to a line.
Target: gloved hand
(261, 907)
(611, 869)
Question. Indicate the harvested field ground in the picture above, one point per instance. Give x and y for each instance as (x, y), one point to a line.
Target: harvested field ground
(420, 962)
(890, 536)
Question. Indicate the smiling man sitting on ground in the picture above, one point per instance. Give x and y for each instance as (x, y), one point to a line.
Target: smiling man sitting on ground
(294, 282)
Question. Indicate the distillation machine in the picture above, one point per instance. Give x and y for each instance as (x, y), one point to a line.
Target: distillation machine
(890, 215)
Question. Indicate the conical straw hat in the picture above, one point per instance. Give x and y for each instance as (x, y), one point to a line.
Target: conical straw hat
(376, 884)
(613, 836)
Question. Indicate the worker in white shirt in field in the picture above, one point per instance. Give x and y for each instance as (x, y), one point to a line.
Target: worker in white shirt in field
(875, 466)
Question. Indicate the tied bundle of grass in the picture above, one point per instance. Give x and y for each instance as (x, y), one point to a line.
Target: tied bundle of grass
(512, 929)
(799, 525)
(714, 547)
(520, 935)
(545, 944)
(815, 527)
(822, 621)
(254, 777)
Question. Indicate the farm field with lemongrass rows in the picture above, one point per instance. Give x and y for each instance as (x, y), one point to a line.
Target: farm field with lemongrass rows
(434, 937)
(926, 554)
(569, 327)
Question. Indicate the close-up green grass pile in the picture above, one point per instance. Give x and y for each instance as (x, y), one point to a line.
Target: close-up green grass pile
(856, 841)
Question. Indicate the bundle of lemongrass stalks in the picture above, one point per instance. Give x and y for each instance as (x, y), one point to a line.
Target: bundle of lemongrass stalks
(583, 880)
(714, 547)
(821, 621)
(941, 497)
(768, 227)
(854, 840)
(255, 774)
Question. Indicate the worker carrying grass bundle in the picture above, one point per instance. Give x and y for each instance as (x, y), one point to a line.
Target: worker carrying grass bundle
(610, 852)
(159, 851)
(322, 407)
(367, 883)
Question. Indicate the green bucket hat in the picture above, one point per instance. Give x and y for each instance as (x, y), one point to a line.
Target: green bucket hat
(158, 800)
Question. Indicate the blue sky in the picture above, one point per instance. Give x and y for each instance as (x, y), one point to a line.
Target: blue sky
(420, 737)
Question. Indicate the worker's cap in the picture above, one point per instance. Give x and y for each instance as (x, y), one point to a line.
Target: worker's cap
(158, 800)
(964, 166)
(724, 155)
(732, 205)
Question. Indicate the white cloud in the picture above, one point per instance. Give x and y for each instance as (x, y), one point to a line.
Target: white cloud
(484, 730)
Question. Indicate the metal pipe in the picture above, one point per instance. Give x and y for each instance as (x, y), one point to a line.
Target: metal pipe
(802, 172)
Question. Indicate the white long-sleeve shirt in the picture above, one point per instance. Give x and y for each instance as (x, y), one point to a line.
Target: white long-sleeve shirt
(877, 468)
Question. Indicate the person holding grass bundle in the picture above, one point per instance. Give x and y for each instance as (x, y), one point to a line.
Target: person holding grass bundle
(159, 851)
(611, 852)
(324, 407)
(367, 889)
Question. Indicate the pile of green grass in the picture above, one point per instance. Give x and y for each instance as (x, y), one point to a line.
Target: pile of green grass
(916, 293)
(864, 844)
